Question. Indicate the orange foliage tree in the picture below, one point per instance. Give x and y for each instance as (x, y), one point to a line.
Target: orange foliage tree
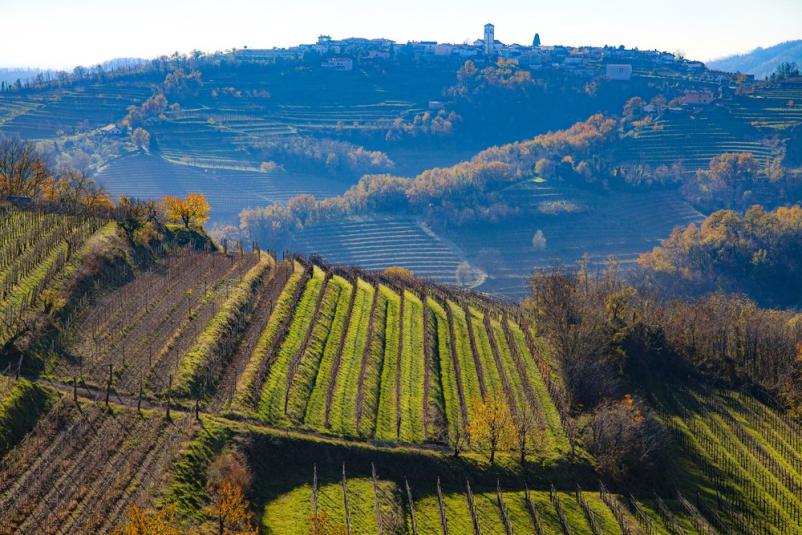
(139, 521)
(192, 210)
(229, 481)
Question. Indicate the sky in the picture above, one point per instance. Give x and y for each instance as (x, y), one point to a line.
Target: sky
(64, 33)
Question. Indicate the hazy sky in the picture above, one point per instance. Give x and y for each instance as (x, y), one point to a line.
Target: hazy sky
(63, 33)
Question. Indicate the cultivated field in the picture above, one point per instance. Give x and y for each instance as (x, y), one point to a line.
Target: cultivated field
(38, 250)
(355, 356)
(345, 391)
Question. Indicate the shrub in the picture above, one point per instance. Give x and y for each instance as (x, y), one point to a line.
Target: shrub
(627, 441)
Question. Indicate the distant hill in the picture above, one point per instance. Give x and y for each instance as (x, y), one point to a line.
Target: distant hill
(761, 61)
(11, 75)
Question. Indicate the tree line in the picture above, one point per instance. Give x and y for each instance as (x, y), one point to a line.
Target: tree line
(620, 344)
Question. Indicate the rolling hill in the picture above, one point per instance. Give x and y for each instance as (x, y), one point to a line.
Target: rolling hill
(761, 61)
(344, 392)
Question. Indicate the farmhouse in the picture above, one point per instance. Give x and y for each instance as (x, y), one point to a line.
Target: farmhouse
(618, 71)
(697, 97)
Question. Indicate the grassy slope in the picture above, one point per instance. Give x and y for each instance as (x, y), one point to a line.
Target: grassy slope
(20, 408)
(387, 414)
(274, 392)
(343, 409)
(316, 408)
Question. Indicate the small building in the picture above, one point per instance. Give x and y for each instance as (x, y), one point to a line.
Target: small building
(697, 97)
(339, 63)
(443, 49)
(436, 105)
(614, 71)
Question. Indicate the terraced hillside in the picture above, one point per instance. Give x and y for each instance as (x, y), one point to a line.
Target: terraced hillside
(229, 190)
(59, 111)
(742, 123)
(377, 243)
(619, 224)
(736, 472)
(694, 138)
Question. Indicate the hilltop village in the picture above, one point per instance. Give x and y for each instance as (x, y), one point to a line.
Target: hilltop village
(609, 62)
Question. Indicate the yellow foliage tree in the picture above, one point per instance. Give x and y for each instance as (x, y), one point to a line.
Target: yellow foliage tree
(192, 210)
(139, 521)
(491, 427)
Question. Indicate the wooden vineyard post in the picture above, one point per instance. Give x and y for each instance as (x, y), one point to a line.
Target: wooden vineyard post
(75, 392)
(411, 508)
(376, 500)
(472, 508)
(314, 489)
(530, 505)
(139, 398)
(169, 393)
(345, 503)
(502, 507)
(441, 505)
(197, 409)
(108, 384)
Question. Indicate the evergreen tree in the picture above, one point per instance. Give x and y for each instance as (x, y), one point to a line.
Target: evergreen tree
(536, 40)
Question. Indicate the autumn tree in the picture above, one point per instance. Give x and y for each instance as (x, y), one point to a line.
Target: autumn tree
(192, 210)
(76, 189)
(140, 138)
(528, 431)
(139, 521)
(491, 426)
(229, 481)
(727, 182)
(22, 170)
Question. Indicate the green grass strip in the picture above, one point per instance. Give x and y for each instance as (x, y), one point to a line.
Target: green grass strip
(303, 380)
(556, 433)
(343, 403)
(274, 391)
(448, 381)
(316, 408)
(387, 417)
(470, 378)
(20, 409)
(413, 369)
(371, 380)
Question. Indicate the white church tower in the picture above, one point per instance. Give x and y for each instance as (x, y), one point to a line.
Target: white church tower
(490, 40)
